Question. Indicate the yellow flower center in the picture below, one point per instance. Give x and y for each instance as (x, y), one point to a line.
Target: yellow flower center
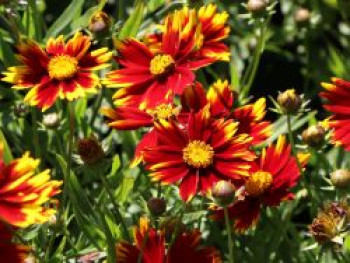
(161, 64)
(162, 112)
(258, 183)
(62, 67)
(198, 154)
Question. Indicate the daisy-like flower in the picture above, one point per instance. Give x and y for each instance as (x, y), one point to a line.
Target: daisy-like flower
(199, 153)
(23, 192)
(272, 176)
(149, 78)
(220, 97)
(338, 95)
(10, 252)
(131, 118)
(62, 70)
(150, 247)
(211, 33)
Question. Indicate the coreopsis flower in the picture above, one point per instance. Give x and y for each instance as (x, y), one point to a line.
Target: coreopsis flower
(212, 31)
(62, 70)
(199, 153)
(132, 118)
(23, 192)
(150, 247)
(271, 178)
(220, 97)
(338, 94)
(10, 252)
(149, 78)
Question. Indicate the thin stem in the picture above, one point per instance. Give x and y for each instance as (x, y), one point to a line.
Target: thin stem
(117, 213)
(229, 235)
(37, 150)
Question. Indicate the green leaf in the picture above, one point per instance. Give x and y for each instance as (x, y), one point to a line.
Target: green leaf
(111, 255)
(64, 20)
(7, 152)
(133, 23)
(124, 189)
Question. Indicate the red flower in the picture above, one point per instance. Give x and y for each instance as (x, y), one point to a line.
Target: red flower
(23, 192)
(272, 176)
(131, 118)
(199, 153)
(149, 78)
(338, 96)
(11, 253)
(62, 70)
(220, 97)
(151, 248)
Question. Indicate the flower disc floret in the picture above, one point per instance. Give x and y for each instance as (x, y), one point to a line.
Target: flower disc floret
(62, 67)
(258, 183)
(198, 154)
(162, 112)
(161, 64)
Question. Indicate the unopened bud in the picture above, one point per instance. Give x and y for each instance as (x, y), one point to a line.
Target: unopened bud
(100, 23)
(302, 15)
(90, 150)
(341, 178)
(20, 110)
(314, 136)
(256, 6)
(156, 206)
(289, 101)
(224, 193)
(51, 120)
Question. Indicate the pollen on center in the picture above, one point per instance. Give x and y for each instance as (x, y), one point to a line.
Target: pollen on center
(198, 154)
(161, 64)
(258, 182)
(62, 67)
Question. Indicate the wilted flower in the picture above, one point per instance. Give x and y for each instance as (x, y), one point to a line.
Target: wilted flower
(341, 178)
(156, 206)
(62, 70)
(90, 150)
(150, 246)
(20, 109)
(23, 192)
(171, 226)
(289, 101)
(314, 136)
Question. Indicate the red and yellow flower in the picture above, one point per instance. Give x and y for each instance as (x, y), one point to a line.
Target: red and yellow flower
(150, 247)
(149, 78)
(212, 31)
(62, 70)
(271, 178)
(131, 118)
(199, 153)
(10, 252)
(338, 94)
(221, 99)
(23, 192)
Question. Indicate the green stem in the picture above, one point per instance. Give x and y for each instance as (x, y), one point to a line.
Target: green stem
(229, 235)
(120, 10)
(117, 213)
(37, 150)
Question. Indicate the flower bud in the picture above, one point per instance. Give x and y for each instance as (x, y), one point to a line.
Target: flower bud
(341, 178)
(223, 192)
(100, 23)
(256, 6)
(314, 136)
(51, 120)
(90, 150)
(302, 15)
(20, 110)
(289, 101)
(156, 206)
